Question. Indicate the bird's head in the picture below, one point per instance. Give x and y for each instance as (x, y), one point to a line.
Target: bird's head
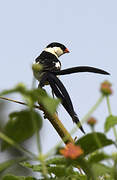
(57, 49)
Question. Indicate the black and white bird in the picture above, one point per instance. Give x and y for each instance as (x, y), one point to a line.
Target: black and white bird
(52, 67)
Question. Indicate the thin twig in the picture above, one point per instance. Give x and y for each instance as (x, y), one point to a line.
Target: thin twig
(18, 102)
(85, 118)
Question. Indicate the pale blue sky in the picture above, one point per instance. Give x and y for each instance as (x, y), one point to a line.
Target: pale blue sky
(87, 28)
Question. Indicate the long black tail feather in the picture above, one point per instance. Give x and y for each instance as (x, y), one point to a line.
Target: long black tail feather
(77, 121)
(61, 92)
(57, 92)
(56, 82)
(81, 69)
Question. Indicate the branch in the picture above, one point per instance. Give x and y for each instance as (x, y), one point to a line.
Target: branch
(18, 102)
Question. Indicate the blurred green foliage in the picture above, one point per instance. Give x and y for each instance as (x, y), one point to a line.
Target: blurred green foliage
(93, 164)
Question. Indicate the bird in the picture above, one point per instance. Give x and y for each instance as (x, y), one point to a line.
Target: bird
(51, 69)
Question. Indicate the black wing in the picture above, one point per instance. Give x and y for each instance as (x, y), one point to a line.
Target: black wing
(48, 61)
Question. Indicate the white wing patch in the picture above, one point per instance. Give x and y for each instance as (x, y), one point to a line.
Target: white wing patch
(57, 65)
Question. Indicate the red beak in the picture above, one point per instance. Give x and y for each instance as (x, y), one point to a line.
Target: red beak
(66, 51)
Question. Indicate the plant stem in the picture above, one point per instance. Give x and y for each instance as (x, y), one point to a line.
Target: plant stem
(37, 132)
(82, 120)
(17, 146)
(110, 113)
(108, 105)
(44, 168)
(38, 142)
(97, 139)
(57, 124)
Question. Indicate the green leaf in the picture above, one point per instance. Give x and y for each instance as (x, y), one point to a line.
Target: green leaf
(21, 126)
(101, 170)
(72, 177)
(12, 177)
(93, 141)
(6, 164)
(47, 102)
(58, 170)
(58, 165)
(57, 161)
(110, 122)
(83, 164)
(61, 170)
(62, 166)
(76, 177)
(27, 164)
(52, 161)
(50, 104)
(30, 178)
(21, 88)
(97, 157)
